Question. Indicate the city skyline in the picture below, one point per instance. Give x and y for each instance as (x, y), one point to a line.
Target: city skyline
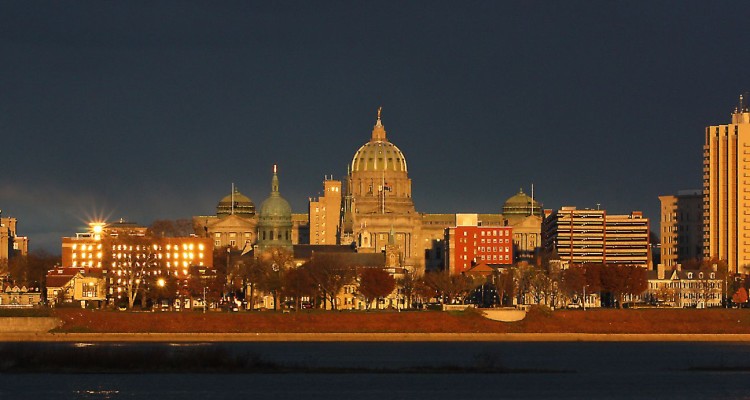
(153, 111)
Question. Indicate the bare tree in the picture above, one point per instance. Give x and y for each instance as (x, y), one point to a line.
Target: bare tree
(171, 228)
(331, 274)
(408, 284)
(503, 283)
(130, 258)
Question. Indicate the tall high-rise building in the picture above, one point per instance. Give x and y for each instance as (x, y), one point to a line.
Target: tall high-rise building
(681, 227)
(593, 236)
(726, 191)
(325, 214)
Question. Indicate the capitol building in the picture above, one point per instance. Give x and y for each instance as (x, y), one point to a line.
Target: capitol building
(373, 210)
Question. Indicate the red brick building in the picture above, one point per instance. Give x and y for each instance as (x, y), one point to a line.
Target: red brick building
(469, 243)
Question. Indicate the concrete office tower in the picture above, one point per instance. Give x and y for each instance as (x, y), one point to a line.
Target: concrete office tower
(726, 191)
(681, 227)
(593, 236)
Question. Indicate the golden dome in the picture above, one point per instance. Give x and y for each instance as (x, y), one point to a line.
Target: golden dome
(379, 154)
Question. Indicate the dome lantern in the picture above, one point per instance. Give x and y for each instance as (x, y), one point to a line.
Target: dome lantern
(378, 154)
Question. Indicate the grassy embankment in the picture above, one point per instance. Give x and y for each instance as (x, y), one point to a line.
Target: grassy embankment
(604, 321)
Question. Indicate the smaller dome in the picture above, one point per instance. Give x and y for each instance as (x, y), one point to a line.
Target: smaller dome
(243, 205)
(275, 207)
(521, 204)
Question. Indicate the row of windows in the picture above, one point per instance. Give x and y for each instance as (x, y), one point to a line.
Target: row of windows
(84, 247)
(493, 257)
(494, 232)
(231, 235)
(495, 241)
(89, 264)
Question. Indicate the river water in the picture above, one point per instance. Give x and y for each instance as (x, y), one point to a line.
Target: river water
(562, 370)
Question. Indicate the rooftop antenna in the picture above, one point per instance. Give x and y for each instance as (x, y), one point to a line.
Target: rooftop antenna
(741, 106)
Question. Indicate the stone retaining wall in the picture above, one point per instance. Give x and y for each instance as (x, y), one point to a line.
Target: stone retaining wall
(28, 324)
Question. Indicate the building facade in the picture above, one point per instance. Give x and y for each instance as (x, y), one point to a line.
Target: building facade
(469, 244)
(593, 236)
(11, 244)
(325, 214)
(681, 227)
(684, 288)
(524, 215)
(726, 191)
(378, 201)
(122, 249)
(235, 224)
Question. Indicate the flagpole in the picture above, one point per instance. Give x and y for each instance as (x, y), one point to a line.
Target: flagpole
(383, 193)
(532, 199)
(232, 198)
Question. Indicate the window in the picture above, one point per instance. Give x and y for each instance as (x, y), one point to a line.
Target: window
(217, 243)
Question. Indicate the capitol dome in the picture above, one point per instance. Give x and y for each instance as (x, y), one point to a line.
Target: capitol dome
(521, 204)
(378, 154)
(243, 205)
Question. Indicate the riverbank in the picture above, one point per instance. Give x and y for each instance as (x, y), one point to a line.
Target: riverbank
(538, 321)
(365, 337)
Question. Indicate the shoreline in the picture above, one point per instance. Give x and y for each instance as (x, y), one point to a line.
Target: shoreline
(366, 337)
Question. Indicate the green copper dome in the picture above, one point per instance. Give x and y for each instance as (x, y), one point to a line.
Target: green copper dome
(521, 204)
(275, 207)
(275, 221)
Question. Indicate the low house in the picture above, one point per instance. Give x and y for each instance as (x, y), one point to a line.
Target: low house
(684, 288)
(15, 296)
(68, 285)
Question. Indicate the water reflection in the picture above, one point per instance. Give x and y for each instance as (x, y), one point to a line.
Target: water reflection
(598, 370)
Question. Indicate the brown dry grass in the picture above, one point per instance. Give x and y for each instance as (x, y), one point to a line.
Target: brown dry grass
(564, 321)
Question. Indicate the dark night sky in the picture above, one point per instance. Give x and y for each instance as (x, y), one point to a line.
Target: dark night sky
(149, 111)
